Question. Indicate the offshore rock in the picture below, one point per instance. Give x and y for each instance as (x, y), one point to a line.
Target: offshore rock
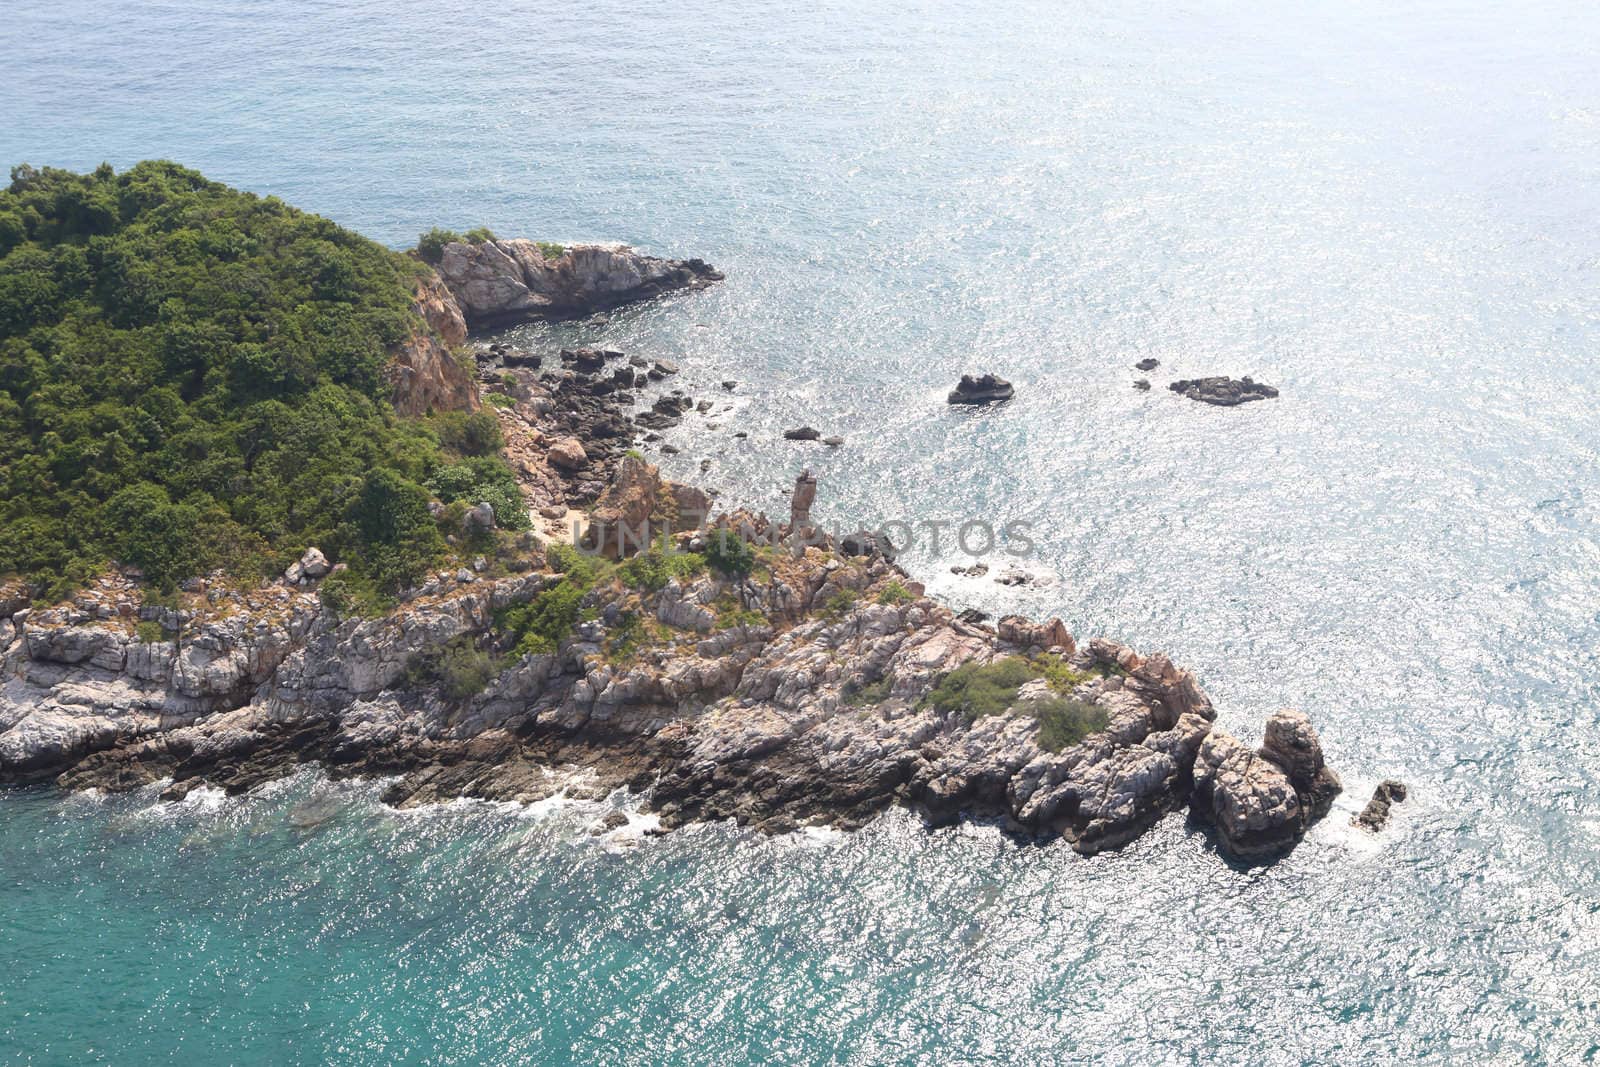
(501, 282)
(1223, 392)
(1262, 802)
(985, 389)
(1375, 816)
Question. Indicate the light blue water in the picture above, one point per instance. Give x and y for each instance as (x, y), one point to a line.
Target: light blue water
(1391, 211)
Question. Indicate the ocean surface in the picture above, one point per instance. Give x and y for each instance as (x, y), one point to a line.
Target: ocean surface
(1391, 211)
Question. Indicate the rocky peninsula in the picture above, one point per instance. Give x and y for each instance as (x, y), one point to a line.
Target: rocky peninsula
(737, 667)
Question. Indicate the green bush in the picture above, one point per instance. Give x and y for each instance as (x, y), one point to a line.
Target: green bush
(149, 633)
(975, 690)
(430, 246)
(544, 622)
(478, 235)
(1064, 722)
(729, 553)
(458, 668)
(475, 434)
(872, 693)
(652, 570)
(551, 251)
(895, 592)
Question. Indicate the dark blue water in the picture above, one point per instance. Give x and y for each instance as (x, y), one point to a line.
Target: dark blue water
(1390, 211)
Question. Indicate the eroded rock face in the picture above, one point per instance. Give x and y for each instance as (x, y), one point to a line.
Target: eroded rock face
(1262, 802)
(498, 283)
(424, 375)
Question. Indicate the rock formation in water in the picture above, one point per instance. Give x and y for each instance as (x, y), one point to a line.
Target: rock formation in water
(502, 282)
(1262, 802)
(1375, 816)
(984, 389)
(1223, 392)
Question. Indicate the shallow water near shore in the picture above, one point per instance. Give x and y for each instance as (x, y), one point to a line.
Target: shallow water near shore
(1390, 213)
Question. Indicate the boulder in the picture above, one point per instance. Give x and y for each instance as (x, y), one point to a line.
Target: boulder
(1147, 364)
(568, 454)
(1262, 802)
(479, 518)
(802, 433)
(984, 389)
(313, 564)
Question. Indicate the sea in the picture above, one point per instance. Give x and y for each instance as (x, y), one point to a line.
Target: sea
(1388, 210)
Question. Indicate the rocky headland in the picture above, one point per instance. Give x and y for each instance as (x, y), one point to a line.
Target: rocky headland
(788, 680)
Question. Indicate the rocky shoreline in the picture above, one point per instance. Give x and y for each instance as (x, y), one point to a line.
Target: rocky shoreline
(807, 685)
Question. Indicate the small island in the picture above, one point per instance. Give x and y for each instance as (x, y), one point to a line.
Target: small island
(267, 503)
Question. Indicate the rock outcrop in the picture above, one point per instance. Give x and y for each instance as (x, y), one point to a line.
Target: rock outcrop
(798, 695)
(1223, 392)
(1375, 816)
(984, 389)
(1262, 802)
(501, 282)
(424, 373)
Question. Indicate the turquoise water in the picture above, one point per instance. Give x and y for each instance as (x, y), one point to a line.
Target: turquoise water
(1390, 211)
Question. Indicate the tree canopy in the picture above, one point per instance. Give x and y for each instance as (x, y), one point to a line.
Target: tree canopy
(191, 377)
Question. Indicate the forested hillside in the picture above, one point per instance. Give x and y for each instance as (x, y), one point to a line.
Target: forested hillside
(191, 377)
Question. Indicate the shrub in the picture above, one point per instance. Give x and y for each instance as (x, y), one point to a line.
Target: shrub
(541, 624)
(430, 246)
(149, 633)
(729, 553)
(975, 690)
(478, 235)
(894, 592)
(499, 400)
(348, 594)
(873, 693)
(839, 602)
(1064, 722)
(550, 250)
(652, 570)
(458, 668)
(477, 434)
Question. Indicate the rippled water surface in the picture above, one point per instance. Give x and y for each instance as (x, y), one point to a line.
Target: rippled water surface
(1390, 211)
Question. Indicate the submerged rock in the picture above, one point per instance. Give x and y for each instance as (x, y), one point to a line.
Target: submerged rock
(985, 389)
(802, 433)
(1147, 364)
(1223, 392)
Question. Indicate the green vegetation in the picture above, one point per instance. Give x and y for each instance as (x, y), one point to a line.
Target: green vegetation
(544, 622)
(872, 693)
(480, 479)
(991, 689)
(840, 602)
(457, 667)
(551, 251)
(499, 400)
(895, 592)
(1063, 723)
(191, 378)
(430, 246)
(149, 633)
(975, 690)
(729, 553)
(652, 570)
